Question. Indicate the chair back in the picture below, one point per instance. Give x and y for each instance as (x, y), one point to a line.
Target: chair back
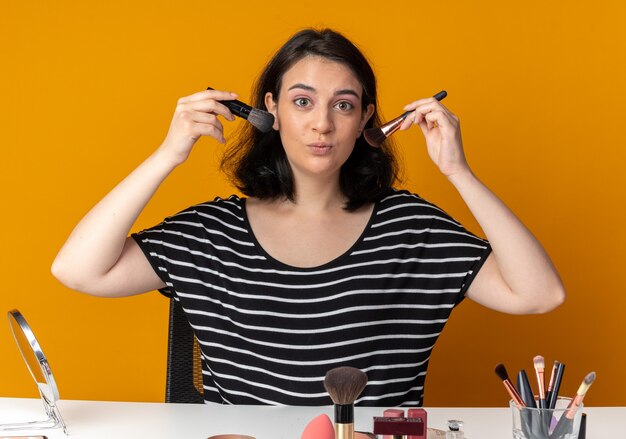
(184, 365)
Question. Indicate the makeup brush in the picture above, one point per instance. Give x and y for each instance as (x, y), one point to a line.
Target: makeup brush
(551, 384)
(526, 415)
(566, 423)
(580, 395)
(344, 385)
(261, 119)
(540, 366)
(376, 136)
(553, 393)
(504, 376)
(525, 390)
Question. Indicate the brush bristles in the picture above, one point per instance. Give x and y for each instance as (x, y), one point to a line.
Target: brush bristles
(262, 120)
(374, 136)
(345, 384)
(587, 382)
(540, 363)
(501, 372)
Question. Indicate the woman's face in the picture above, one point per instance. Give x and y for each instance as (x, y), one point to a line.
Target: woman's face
(319, 115)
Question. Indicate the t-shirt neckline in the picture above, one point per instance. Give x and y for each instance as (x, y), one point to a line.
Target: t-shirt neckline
(261, 250)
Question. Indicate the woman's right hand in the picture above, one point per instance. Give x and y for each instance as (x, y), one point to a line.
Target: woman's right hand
(98, 257)
(196, 115)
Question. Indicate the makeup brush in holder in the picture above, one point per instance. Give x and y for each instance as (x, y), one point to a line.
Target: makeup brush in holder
(565, 425)
(540, 366)
(550, 416)
(344, 385)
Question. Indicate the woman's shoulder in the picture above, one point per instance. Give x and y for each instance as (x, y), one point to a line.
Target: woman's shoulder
(403, 197)
(232, 202)
(403, 202)
(230, 207)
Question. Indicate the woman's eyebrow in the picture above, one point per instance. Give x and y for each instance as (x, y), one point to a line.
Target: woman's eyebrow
(302, 86)
(345, 91)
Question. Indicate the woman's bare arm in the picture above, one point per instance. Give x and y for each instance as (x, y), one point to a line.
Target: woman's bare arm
(99, 258)
(518, 277)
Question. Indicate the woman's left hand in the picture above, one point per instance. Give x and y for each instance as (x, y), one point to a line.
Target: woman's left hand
(442, 131)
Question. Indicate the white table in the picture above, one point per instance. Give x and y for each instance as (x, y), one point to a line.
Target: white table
(120, 420)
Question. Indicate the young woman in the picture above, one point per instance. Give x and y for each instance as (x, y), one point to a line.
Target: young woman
(323, 263)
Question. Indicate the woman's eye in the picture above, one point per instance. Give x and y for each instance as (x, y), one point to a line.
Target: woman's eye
(344, 106)
(302, 102)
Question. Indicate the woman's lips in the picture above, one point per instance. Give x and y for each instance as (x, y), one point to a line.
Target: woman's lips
(320, 148)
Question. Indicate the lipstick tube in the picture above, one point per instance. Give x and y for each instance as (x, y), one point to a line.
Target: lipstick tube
(418, 414)
(392, 413)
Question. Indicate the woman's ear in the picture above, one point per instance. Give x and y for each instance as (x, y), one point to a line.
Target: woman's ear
(367, 114)
(271, 106)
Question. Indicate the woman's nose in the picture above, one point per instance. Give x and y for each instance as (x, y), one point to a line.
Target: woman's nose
(322, 120)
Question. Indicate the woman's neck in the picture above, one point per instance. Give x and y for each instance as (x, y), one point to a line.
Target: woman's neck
(317, 195)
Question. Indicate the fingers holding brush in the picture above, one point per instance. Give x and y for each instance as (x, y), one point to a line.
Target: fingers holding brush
(377, 135)
(431, 114)
(421, 107)
(442, 131)
(207, 101)
(196, 115)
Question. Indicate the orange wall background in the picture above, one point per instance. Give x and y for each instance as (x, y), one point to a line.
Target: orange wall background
(88, 89)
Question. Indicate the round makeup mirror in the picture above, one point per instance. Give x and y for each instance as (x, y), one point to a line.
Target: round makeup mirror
(42, 374)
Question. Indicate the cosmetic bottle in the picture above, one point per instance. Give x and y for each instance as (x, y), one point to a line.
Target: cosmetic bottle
(454, 430)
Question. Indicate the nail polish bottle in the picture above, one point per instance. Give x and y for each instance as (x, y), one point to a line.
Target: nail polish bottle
(454, 430)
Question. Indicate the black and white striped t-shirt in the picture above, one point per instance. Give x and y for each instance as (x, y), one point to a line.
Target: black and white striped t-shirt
(269, 332)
